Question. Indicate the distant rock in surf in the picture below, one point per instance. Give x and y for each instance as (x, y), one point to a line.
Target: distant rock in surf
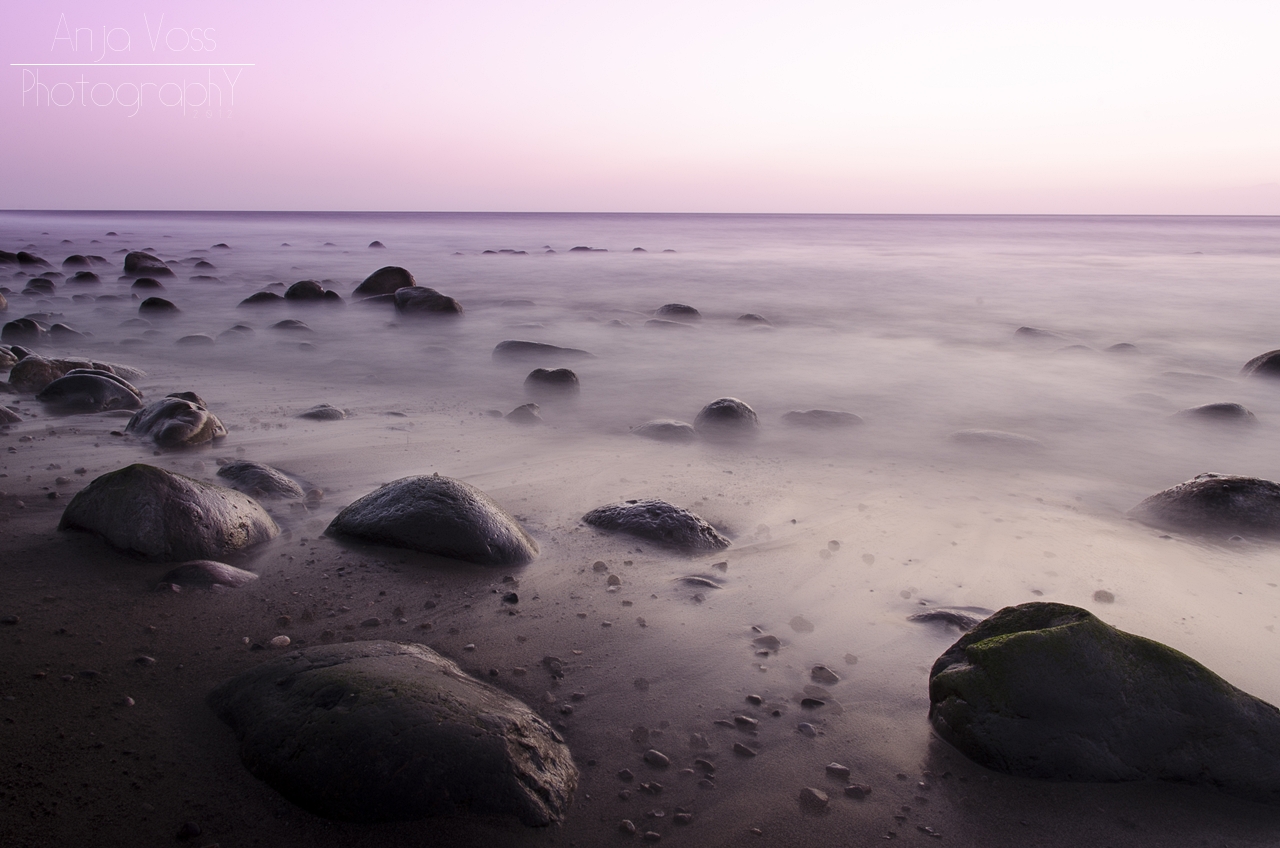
(1218, 504)
(30, 260)
(262, 298)
(753, 318)
(143, 283)
(157, 306)
(1039, 334)
(666, 430)
(386, 280)
(85, 278)
(726, 419)
(178, 420)
(516, 349)
(291, 325)
(22, 331)
(421, 300)
(1264, 365)
(822, 418)
(1123, 347)
(85, 390)
(552, 384)
(376, 245)
(678, 312)
(659, 521)
(526, 414)
(141, 264)
(305, 291)
(1218, 413)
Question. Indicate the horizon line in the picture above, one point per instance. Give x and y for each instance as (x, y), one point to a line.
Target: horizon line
(584, 212)
(131, 64)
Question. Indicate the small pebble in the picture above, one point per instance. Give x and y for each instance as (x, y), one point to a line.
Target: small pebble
(370, 622)
(807, 729)
(652, 836)
(624, 794)
(822, 674)
(1102, 596)
(614, 580)
(706, 765)
(745, 722)
(837, 770)
(755, 700)
(279, 642)
(626, 776)
(627, 826)
(599, 567)
(857, 790)
(813, 799)
(742, 750)
(654, 757)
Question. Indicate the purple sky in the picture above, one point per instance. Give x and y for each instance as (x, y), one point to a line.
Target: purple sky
(924, 106)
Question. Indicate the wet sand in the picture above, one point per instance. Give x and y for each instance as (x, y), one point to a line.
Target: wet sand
(838, 538)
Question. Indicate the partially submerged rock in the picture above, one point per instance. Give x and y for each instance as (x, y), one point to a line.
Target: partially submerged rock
(659, 521)
(552, 384)
(386, 280)
(1050, 691)
(140, 264)
(1218, 413)
(378, 731)
(516, 349)
(206, 573)
(525, 414)
(822, 418)
(726, 419)
(323, 412)
(1264, 365)
(160, 515)
(1215, 503)
(437, 515)
(34, 373)
(420, 300)
(666, 430)
(22, 331)
(259, 480)
(180, 419)
(678, 312)
(86, 390)
(157, 306)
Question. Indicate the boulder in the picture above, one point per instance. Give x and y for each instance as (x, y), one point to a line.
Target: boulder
(254, 478)
(998, 440)
(85, 277)
(145, 283)
(1264, 365)
(262, 298)
(305, 290)
(525, 414)
(177, 420)
(379, 731)
(1050, 691)
(420, 300)
(754, 319)
(22, 331)
(437, 515)
(664, 324)
(39, 286)
(86, 390)
(1039, 334)
(386, 280)
(205, 574)
(1218, 413)
(323, 412)
(30, 260)
(292, 325)
(678, 312)
(160, 515)
(8, 358)
(157, 306)
(33, 373)
(375, 244)
(726, 419)
(75, 260)
(1216, 504)
(659, 521)
(140, 264)
(552, 384)
(196, 340)
(666, 430)
(513, 349)
(822, 418)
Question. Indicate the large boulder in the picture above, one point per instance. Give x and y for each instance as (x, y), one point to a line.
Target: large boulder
(33, 373)
(1048, 690)
(515, 349)
(666, 430)
(30, 260)
(386, 280)
(140, 264)
(160, 515)
(420, 300)
(262, 298)
(1263, 365)
(87, 390)
(177, 420)
(379, 731)
(437, 515)
(726, 419)
(1223, 504)
(659, 521)
(259, 480)
(304, 290)
(22, 331)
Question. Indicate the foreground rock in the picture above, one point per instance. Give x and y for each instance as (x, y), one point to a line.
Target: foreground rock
(377, 731)
(420, 300)
(177, 420)
(822, 418)
(516, 349)
(86, 390)
(259, 480)
(205, 574)
(160, 515)
(666, 430)
(661, 522)
(1215, 503)
(726, 419)
(437, 515)
(1048, 690)
(386, 280)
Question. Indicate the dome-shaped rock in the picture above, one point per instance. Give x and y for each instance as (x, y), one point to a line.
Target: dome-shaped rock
(165, 516)
(1264, 365)
(177, 420)
(678, 312)
(259, 480)
(726, 418)
(1215, 503)
(262, 298)
(666, 430)
(84, 390)
(157, 306)
(305, 290)
(323, 412)
(140, 264)
(386, 280)
(437, 515)
(659, 521)
(1218, 413)
(420, 300)
(550, 384)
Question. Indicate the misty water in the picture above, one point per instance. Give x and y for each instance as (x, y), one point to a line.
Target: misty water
(839, 535)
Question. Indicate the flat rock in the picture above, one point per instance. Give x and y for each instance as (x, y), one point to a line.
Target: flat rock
(262, 298)
(161, 515)
(666, 430)
(822, 418)
(420, 300)
(1050, 691)
(180, 419)
(205, 573)
(517, 349)
(661, 522)
(1217, 504)
(259, 480)
(386, 280)
(85, 390)
(378, 731)
(1218, 413)
(437, 515)
(726, 419)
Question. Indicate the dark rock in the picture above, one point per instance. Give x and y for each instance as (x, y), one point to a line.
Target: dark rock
(292, 325)
(84, 390)
(1050, 691)
(526, 414)
(1038, 334)
(64, 333)
(660, 522)
(1218, 413)
(262, 298)
(140, 264)
(177, 420)
(323, 412)
(997, 440)
(1265, 365)
(75, 260)
(22, 331)
(386, 280)
(376, 731)
(34, 373)
(161, 515)
(30, 260)
(39, 285)
(516, 350)
(551, 384)
(726, 419)
(666, 430)
(376, 244)
(963, 619)
(204, 573)
(1215, 503)
(85, 277)
(237, 332)
(678, 312)
(1123, 347)
(437, 515)
(143, 283)
(753, 318)
(254, 478)
(196, 340)
(204, 265)
(305, 290)
(157, 305)
(822, 418)
(420, 300)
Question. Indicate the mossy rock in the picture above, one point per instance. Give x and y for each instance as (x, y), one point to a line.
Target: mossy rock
(1050, 691)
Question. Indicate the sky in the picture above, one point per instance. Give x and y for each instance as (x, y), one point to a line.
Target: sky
(806, 106)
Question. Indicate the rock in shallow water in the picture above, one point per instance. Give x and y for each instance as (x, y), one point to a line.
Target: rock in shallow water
(1215, 503)
(552, 384)
(821, 418)
(259, 480)
(323, 412)
(161, 515)
(437, 515)
(666, 430)
(387, 280)
(661, 522)
(85, 390)
(517, 349)
(1048, 690)
(726, 419)
(1218, 413)
(377, 731)
(420, 300)
(177, 420)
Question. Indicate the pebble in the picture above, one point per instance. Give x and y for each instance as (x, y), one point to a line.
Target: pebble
(755, 700)
(624, 794)
(746, 722)
(807, 729)
(614, 580)
(742, 750)
(813, 799)
(698, 742)
(599, 567)
(857, 790)
(145, 660)
(654, 757)
(800, 624)
(511, 598)
(626, 776)
(370, 622)
(837, 770)
(651, 836)
(706, 765)
(280, 642)
(189, 830)
(812, 703)
(768, 642)
(1102, 596)
(651, 788)
(850, 659)
(822, 674)
(627, 826)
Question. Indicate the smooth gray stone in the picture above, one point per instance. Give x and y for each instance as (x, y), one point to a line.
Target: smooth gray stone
(204, 573)
(420, 300)
(726, 419)
(262, 298)
(84, 390)
(437, 515)
(387, 280)
(517, 349)
(659, 521)
(525, 414)
(305, 290)
(666, 430)
(822, 418)
(165, 516)
(1050, 691)
(678, 312)
(379, 731)
(1215, 503)
(259, 480)
(177, 420)
(33, 373)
